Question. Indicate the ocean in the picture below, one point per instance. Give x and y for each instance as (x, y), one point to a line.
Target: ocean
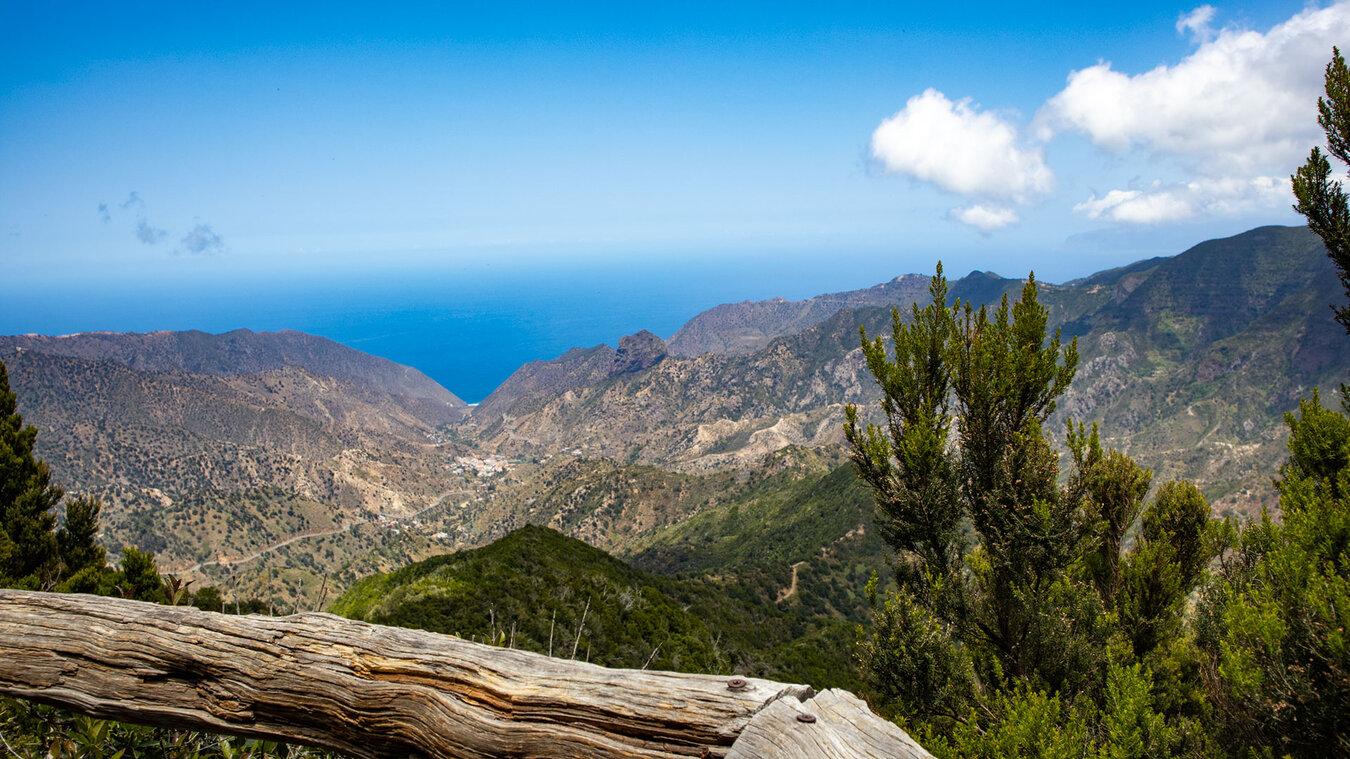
(468, 328)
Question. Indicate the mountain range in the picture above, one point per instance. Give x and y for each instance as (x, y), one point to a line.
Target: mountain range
(739, 329)
(289, 466)
(1188, 362)
(243, 352)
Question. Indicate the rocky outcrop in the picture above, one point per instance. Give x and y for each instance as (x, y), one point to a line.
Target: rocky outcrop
(639, 351)
(537, 382)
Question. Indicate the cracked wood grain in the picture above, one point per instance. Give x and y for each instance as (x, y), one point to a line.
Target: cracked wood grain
(366, 690)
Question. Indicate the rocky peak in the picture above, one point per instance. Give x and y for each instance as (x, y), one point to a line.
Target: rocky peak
(637, 352)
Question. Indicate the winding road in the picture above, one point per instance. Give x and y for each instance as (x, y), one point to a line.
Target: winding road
(791, 590)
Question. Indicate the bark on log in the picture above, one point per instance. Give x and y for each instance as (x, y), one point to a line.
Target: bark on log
(374, 691)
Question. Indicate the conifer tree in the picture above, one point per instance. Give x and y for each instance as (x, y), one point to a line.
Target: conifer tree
(76, 540)
(995, 378)
(1020, 624)
(1321, 199)
(28, 549)
(1273, 627)
(138, 577)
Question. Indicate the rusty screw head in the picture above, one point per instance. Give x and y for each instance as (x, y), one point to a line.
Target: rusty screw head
(806, 717)
(736, 683)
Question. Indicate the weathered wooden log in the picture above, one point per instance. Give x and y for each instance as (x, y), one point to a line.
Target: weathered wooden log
(834, 724)
(374, 691)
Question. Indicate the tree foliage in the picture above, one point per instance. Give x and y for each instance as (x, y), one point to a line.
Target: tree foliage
(1274, 628)
(77, 539)
(29, 554)
(1021, 624)
(1321, 199)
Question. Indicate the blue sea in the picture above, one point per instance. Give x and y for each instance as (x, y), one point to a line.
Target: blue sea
(468, 328)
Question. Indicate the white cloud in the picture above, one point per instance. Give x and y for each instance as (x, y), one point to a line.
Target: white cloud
(960, 149)
(1242, 103)
(1177, 202)
(1138, 207)
(1232, 119)
(1197, 23)
(985, 218)
(1237, 114)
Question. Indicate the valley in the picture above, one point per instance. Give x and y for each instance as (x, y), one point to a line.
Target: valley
(285, 467)
(473, 380)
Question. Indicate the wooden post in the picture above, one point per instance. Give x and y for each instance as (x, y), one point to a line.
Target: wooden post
(374, 691)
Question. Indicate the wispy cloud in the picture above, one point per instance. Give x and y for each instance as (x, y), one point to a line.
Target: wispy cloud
(148, 234)
(985, 218)
(201, 241)
(1196, 23)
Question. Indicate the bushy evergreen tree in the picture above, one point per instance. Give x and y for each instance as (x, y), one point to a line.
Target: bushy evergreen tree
(138, 577)
(1020, 625)
(1275, 628)
(77, 538)
(1321, 199)
(29, 554)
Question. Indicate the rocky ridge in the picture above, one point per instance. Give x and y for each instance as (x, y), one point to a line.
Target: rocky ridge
(243, 352)
(1188, 363)
(739, 329)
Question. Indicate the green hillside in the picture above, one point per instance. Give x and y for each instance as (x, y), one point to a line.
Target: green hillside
(816, 528)
(536, 584)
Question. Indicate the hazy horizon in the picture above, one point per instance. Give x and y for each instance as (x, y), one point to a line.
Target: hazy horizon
(359, 172)
(469, 330)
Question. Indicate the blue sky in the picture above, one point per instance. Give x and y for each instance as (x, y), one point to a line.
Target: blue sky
(204, 148)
